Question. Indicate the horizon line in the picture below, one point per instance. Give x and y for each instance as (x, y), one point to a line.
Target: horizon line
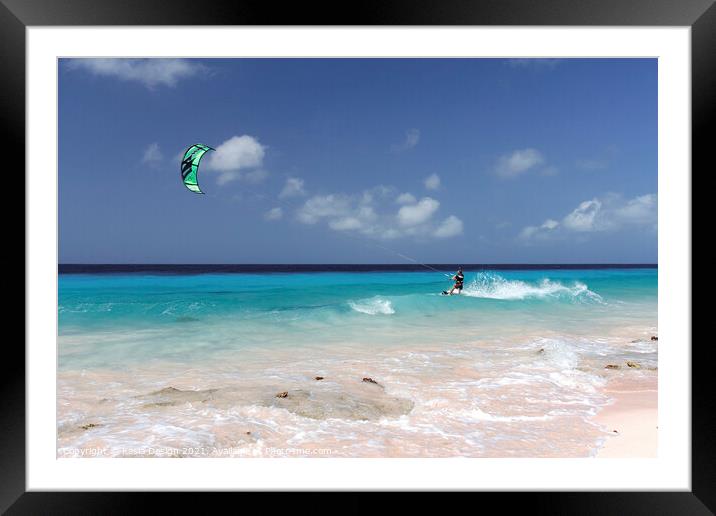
(353, 263)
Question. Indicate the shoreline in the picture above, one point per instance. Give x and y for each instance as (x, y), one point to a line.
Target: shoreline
(632, 420)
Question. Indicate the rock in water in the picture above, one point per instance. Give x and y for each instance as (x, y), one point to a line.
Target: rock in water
(633, 365)
(360, 405)
(318, 378)
(283, 394)
(654, 337)
(612, 366)
(368, 379)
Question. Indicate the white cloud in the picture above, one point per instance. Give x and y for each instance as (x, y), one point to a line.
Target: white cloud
(292, 188)
(432, 182)
(546, 227)
(451, 226)
(412, 137)
(372, 213)
(583, 217)
(519, 162)
(227, 177)
(152, 155)
(550, 224)
(274, 214)
(406, 198)
(346, 223)
(419, 213)
(322, 206)
(641, 210)
(608, 214)
(150, 72)
(238, 152)
(233, 157)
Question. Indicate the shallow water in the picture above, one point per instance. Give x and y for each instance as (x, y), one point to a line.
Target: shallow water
(190, 364)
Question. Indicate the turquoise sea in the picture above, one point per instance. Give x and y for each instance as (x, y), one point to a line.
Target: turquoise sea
(190, 359)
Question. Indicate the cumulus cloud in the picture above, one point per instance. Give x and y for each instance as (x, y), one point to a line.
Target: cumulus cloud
(608, 214)
(451, 226)
(641, 210)
(149, 72)
(346, 223)
(235, 158)
(406, 198)
(546, 227)
(432, 182)
(372, 213)
(584, 216)
(322, 206)
(152, 155)
(274, 214)
(236, 153)
(292, 188)
(412, 215)
(518, 162)
(412, 137)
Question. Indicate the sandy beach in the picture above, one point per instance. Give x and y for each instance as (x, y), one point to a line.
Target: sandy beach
(632, 419)
(358, 364)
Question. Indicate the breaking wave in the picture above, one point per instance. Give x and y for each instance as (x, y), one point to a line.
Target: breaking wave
(372, 306)
(493, 286)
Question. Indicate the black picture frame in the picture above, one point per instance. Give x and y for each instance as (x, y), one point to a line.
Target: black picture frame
(17, 15)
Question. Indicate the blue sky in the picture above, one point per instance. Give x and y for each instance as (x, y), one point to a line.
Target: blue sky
(359, 160)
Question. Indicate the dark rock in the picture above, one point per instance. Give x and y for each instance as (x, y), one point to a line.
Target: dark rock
(612, 366)
(367, 379)
(633, 365)
(541, 350)
(318, 378)
(653, 337)
(360, 405)
(162, 404)
(283, 394)
(89, 425)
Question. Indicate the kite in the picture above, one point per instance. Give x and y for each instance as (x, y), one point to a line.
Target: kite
(190, 166)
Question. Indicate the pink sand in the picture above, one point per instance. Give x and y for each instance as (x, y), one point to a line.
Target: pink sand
(634, 416)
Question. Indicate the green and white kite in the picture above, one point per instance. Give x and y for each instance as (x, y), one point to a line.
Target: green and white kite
(190, 166)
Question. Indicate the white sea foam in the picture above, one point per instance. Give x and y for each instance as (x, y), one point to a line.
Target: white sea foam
(493, 286)
(372, 306)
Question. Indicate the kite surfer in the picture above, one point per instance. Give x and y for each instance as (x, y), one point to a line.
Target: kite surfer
(459, 278)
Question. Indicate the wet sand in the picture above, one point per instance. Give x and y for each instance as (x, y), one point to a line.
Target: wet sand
(634, 416)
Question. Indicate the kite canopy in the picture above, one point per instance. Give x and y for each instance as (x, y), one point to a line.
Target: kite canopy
(190, 166)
